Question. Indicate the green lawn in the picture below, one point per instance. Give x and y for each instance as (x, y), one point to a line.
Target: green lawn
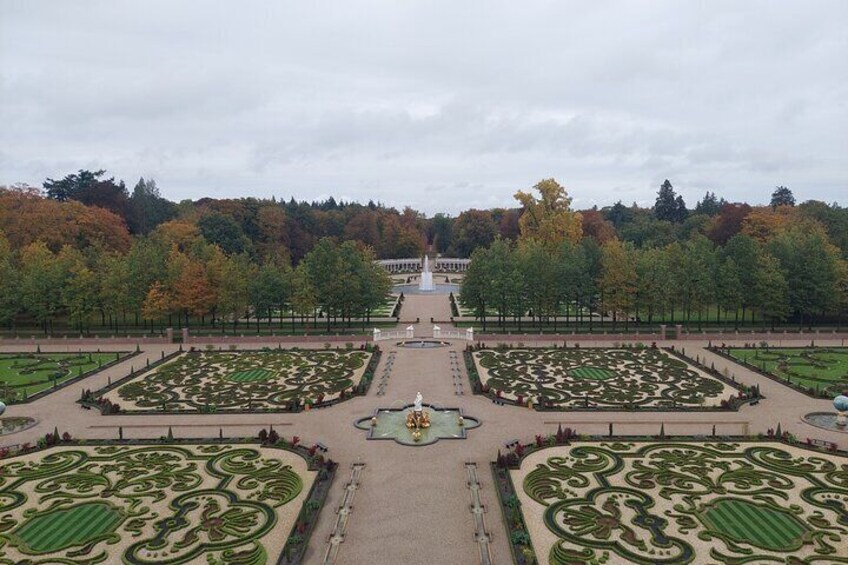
(387, 307)
(54, 531)
(384, 310)
(822, 369)
(25, 374)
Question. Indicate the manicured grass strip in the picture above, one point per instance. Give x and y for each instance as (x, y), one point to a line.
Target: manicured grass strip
(249, 376)
(746, 525)
(770, 529)
(72, 527)
(593, 373)
(64, 528)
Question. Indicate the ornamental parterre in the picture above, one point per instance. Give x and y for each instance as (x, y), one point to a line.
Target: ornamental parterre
(23, 375)
(680, 503)
(599, 378)
(214, 381)
(820, 371)
(152, 505)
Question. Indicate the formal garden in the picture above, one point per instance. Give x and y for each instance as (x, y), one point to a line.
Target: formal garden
(817, 371)
(673, 502)
(242, 381)
(25, 375)
(599, 378)
(218, 504)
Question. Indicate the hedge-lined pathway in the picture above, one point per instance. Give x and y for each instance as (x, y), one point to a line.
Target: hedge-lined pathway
(412, 505)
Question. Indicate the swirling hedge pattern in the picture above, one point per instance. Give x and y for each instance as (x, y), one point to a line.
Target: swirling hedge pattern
(680, 503)
(148, 505)
(243, 380)
(25, 374)
(822, 370)
(599, 377)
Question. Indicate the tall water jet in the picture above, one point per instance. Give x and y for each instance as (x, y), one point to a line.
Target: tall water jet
(426, 283)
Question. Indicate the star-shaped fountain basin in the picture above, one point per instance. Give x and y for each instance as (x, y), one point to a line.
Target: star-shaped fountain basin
(390, 423)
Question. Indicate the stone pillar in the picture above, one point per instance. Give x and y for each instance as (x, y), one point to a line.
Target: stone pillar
(169, 335)
(663, 329)
(185, 335)
(377, 334)
(679, 331)
(469, 334)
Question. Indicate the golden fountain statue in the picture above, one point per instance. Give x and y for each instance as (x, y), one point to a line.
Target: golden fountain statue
(417, 418)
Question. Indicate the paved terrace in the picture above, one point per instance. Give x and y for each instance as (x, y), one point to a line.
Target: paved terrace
(413, 505)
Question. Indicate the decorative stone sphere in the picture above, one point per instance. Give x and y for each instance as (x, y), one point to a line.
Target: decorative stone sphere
(2, 407)
(841, 403)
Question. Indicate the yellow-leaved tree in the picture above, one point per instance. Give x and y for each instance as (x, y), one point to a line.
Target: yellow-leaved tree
(549, 219)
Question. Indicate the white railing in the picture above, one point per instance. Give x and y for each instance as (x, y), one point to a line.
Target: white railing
(380, 335)
(439, 333)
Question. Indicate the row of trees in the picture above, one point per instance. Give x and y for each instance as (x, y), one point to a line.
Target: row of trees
(85, 212)
(795, 274)
(161, 279)
(87, 205)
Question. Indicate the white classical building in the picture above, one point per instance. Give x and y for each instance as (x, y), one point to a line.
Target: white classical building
(415, 265)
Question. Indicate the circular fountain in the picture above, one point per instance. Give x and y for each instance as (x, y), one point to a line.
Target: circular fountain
(417, 424)
(438, 288)
(828, 420)
(15, 424)
(422, 343)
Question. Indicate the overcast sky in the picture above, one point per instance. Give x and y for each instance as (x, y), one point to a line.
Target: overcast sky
(442, 106)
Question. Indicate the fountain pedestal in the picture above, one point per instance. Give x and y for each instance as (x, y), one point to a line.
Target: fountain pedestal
(417, 419)
(841, 405)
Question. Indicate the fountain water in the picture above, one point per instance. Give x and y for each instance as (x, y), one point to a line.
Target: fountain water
(828, 420)
(426, 283)
(418, 423)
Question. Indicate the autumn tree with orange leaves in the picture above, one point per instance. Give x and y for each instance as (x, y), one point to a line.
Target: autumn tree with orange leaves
(549, 218)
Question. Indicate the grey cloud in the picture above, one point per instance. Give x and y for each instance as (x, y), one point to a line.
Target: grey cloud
(439, 105)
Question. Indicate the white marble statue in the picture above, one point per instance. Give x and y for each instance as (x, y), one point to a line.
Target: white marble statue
(418, 400)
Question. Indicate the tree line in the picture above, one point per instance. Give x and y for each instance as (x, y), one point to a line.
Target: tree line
(780, 265)
(174, 277)
(151, 258)
(86, 206)
(796, 275)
